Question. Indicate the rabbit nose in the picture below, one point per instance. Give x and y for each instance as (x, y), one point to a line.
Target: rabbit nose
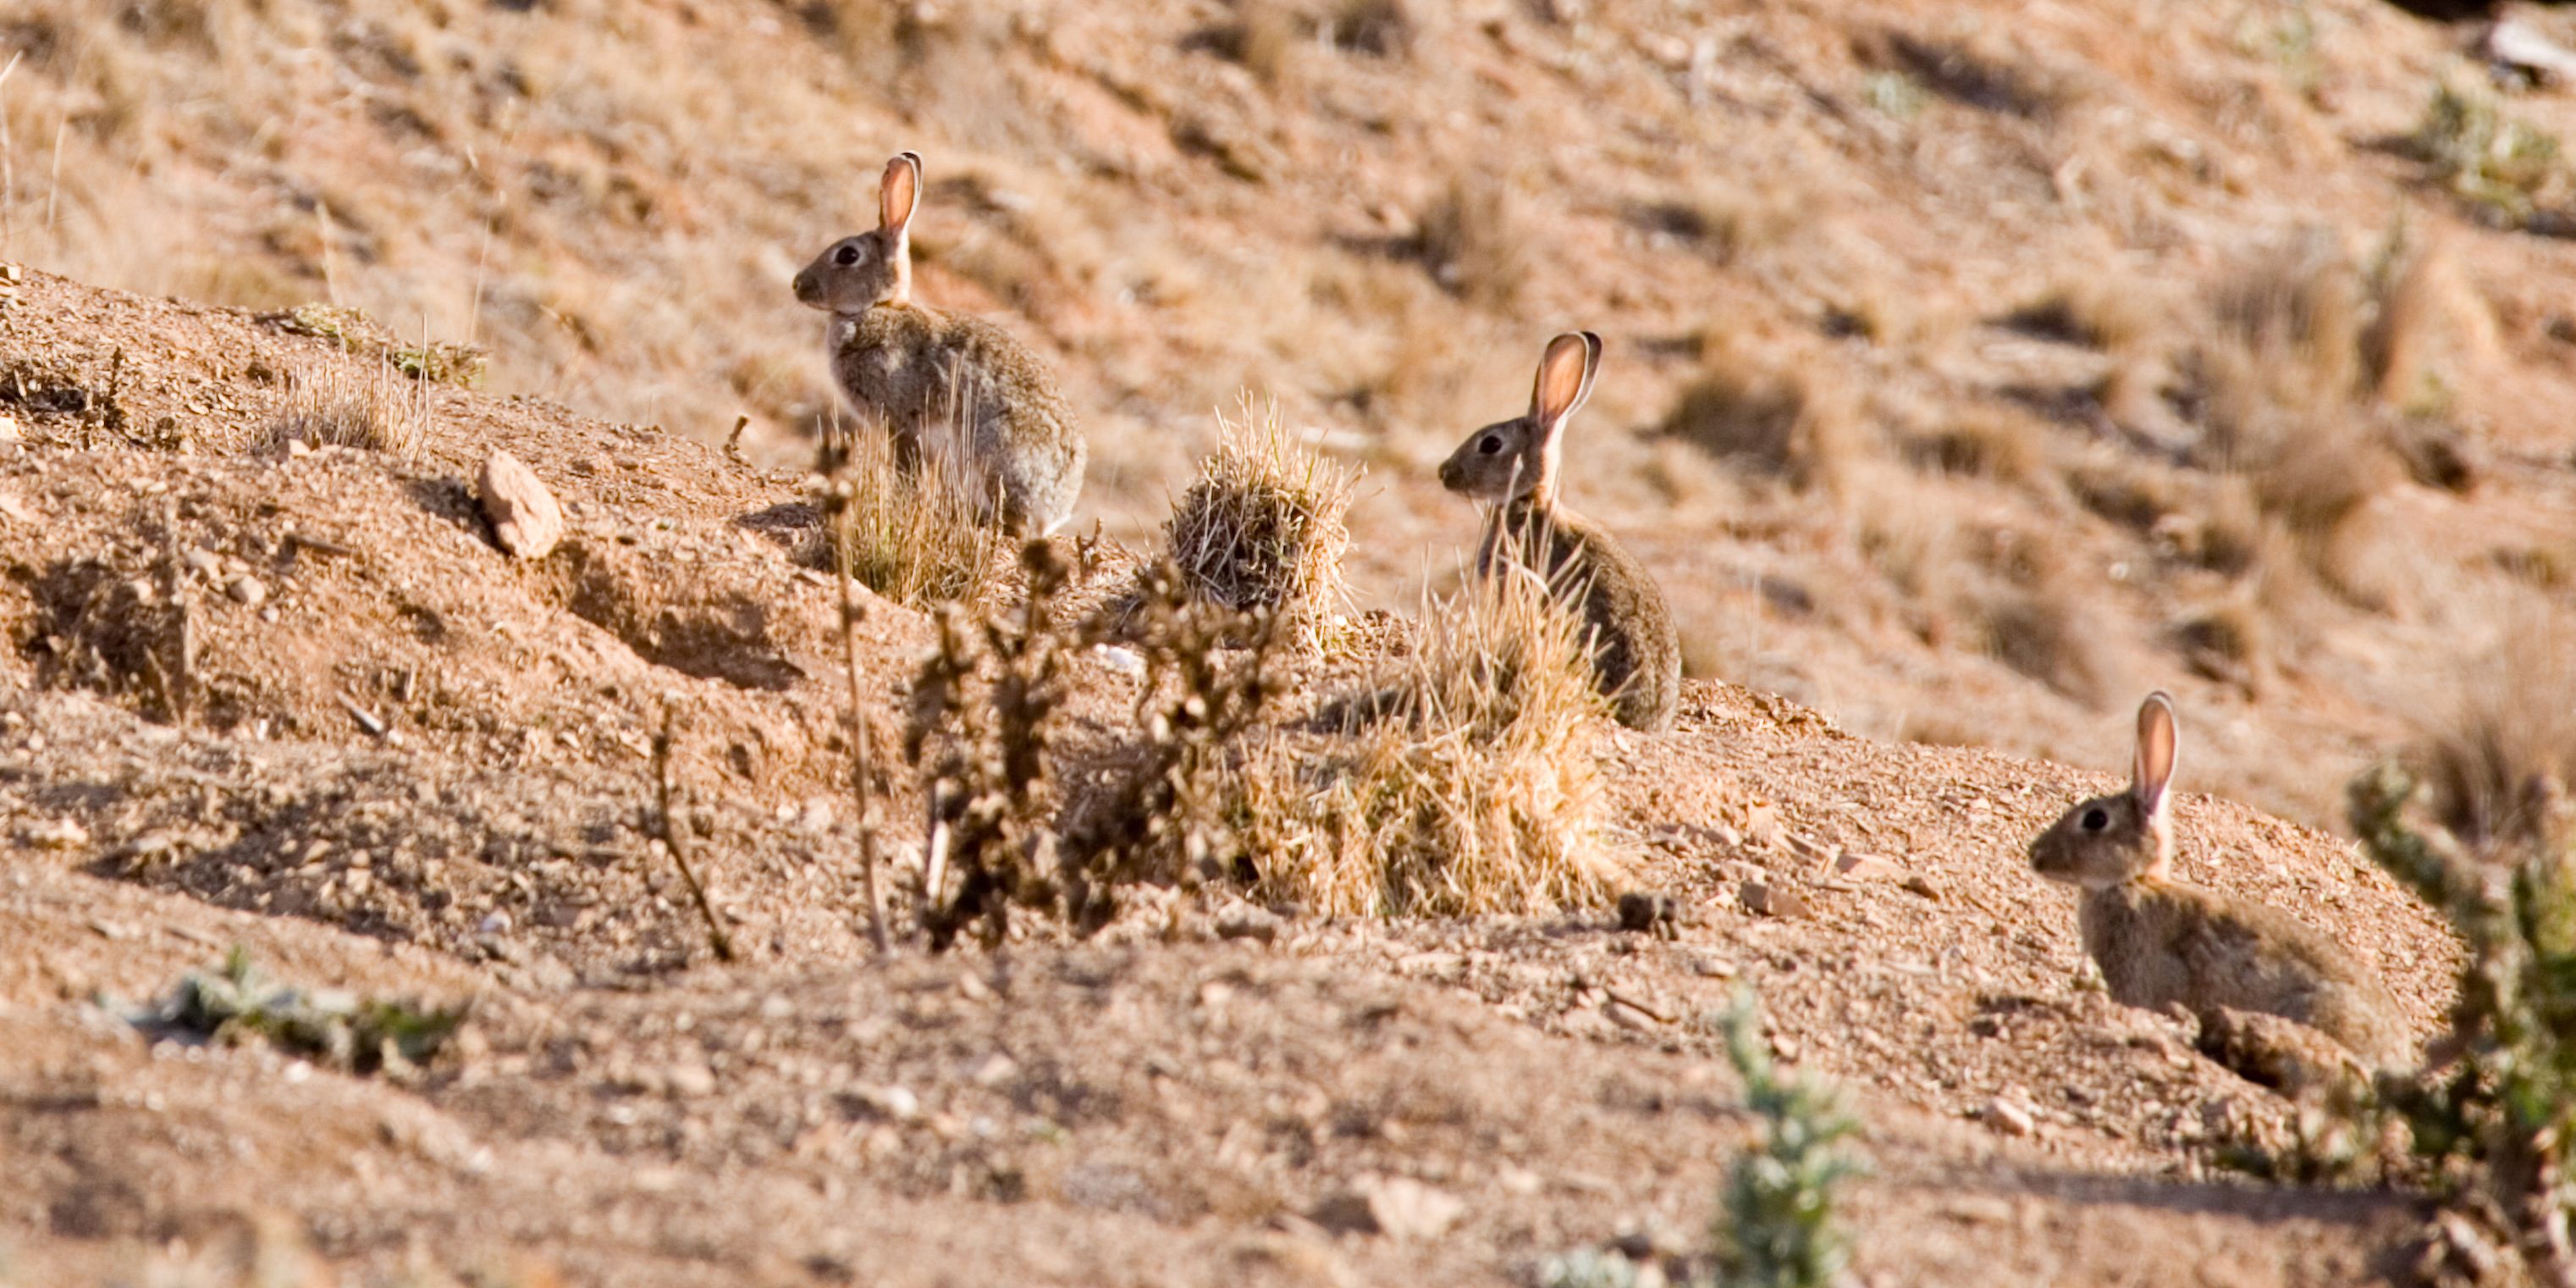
(1449, 473)
(805, 284)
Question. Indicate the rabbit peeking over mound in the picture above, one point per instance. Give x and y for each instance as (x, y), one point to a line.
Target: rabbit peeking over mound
(2160, 942)
(957, 387)
(1512, 466)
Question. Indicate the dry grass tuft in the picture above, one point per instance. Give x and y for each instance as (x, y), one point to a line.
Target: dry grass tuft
(1475, 240)
(1480, 795)
(1262, 527)
(377, 412)
(2038, 616)
(915, 536)
(2502, 752)
(2001, 445)
(2108, 313)
(1782, 421)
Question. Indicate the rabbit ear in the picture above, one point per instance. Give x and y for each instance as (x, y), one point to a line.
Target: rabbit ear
(1565, 374)
(2159, 742)
(900, 192)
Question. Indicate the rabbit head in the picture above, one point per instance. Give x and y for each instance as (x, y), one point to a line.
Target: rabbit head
(2126, 836)
(1516, 459)
(859, 272)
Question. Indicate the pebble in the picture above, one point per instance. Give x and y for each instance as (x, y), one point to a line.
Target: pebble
(2010, 1117)
(9, 430)
(1396, 1207)
(60, 834)
(1772, 900)
(247, 591)
(525, 519)
(691, 1078)
(203, 562)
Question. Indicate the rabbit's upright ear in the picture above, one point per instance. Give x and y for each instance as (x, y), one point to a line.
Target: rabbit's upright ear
(2159, 741)
(1565, 374)
(900, 192)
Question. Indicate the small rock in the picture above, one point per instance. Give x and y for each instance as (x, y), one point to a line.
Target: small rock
(1124, 661)
(203, 562)
(691, 1078)
(298, 449)
(1772, 900)
(2009, 1117)
(1247, 923)
(247, 591)
(1865, 867)
(60, 834)
(497, 923)
(9, 430)
(893, 1103)
(994, 1070)
(1918, 885)
(524, 517)
(1397, 1207)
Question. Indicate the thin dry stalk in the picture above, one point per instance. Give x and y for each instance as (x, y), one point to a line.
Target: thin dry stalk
(674, 834)
(834, 465)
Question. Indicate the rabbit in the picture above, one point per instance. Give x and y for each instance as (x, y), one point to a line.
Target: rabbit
(1637, 653)
(959, 386)
(2160, 942)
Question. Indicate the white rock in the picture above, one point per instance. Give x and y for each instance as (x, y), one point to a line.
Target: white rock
(1397, 1207)
(524, 517)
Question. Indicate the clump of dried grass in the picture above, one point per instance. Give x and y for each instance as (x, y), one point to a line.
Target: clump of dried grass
(2001, 445)
(1262, 527)
(2037, 614)
(1474, 792)
(1475, 240)
(1780, 420)
(2100, 312)
(916, 535)
(376, 412)
(2502, 750)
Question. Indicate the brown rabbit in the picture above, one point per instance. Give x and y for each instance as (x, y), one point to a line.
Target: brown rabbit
(961, 387)
(2159, 942)
(1637, 655)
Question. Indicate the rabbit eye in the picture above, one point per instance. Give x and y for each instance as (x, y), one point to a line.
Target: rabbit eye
(1493, 443)
(846, 256)
(2096, 819)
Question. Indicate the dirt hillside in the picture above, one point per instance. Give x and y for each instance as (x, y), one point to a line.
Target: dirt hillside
(1972, 369)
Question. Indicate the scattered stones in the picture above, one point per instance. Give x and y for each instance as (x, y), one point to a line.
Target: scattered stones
(1771, 899)
(1396, 1207)
(524, 517)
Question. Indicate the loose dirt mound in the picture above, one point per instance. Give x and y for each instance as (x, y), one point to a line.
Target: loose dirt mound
(1157, 1105)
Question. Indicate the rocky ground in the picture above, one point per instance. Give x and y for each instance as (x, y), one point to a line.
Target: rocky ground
(297, 701)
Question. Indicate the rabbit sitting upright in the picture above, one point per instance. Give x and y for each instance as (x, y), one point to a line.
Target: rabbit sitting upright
(960, 388)
(1636, 652)
(2160, 942)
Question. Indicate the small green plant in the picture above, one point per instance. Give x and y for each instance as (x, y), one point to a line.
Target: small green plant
(430, 361)
(2507, 170)
(1894, 94)
(1777, 1224)
(361, 1035)
(2491, 1123)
